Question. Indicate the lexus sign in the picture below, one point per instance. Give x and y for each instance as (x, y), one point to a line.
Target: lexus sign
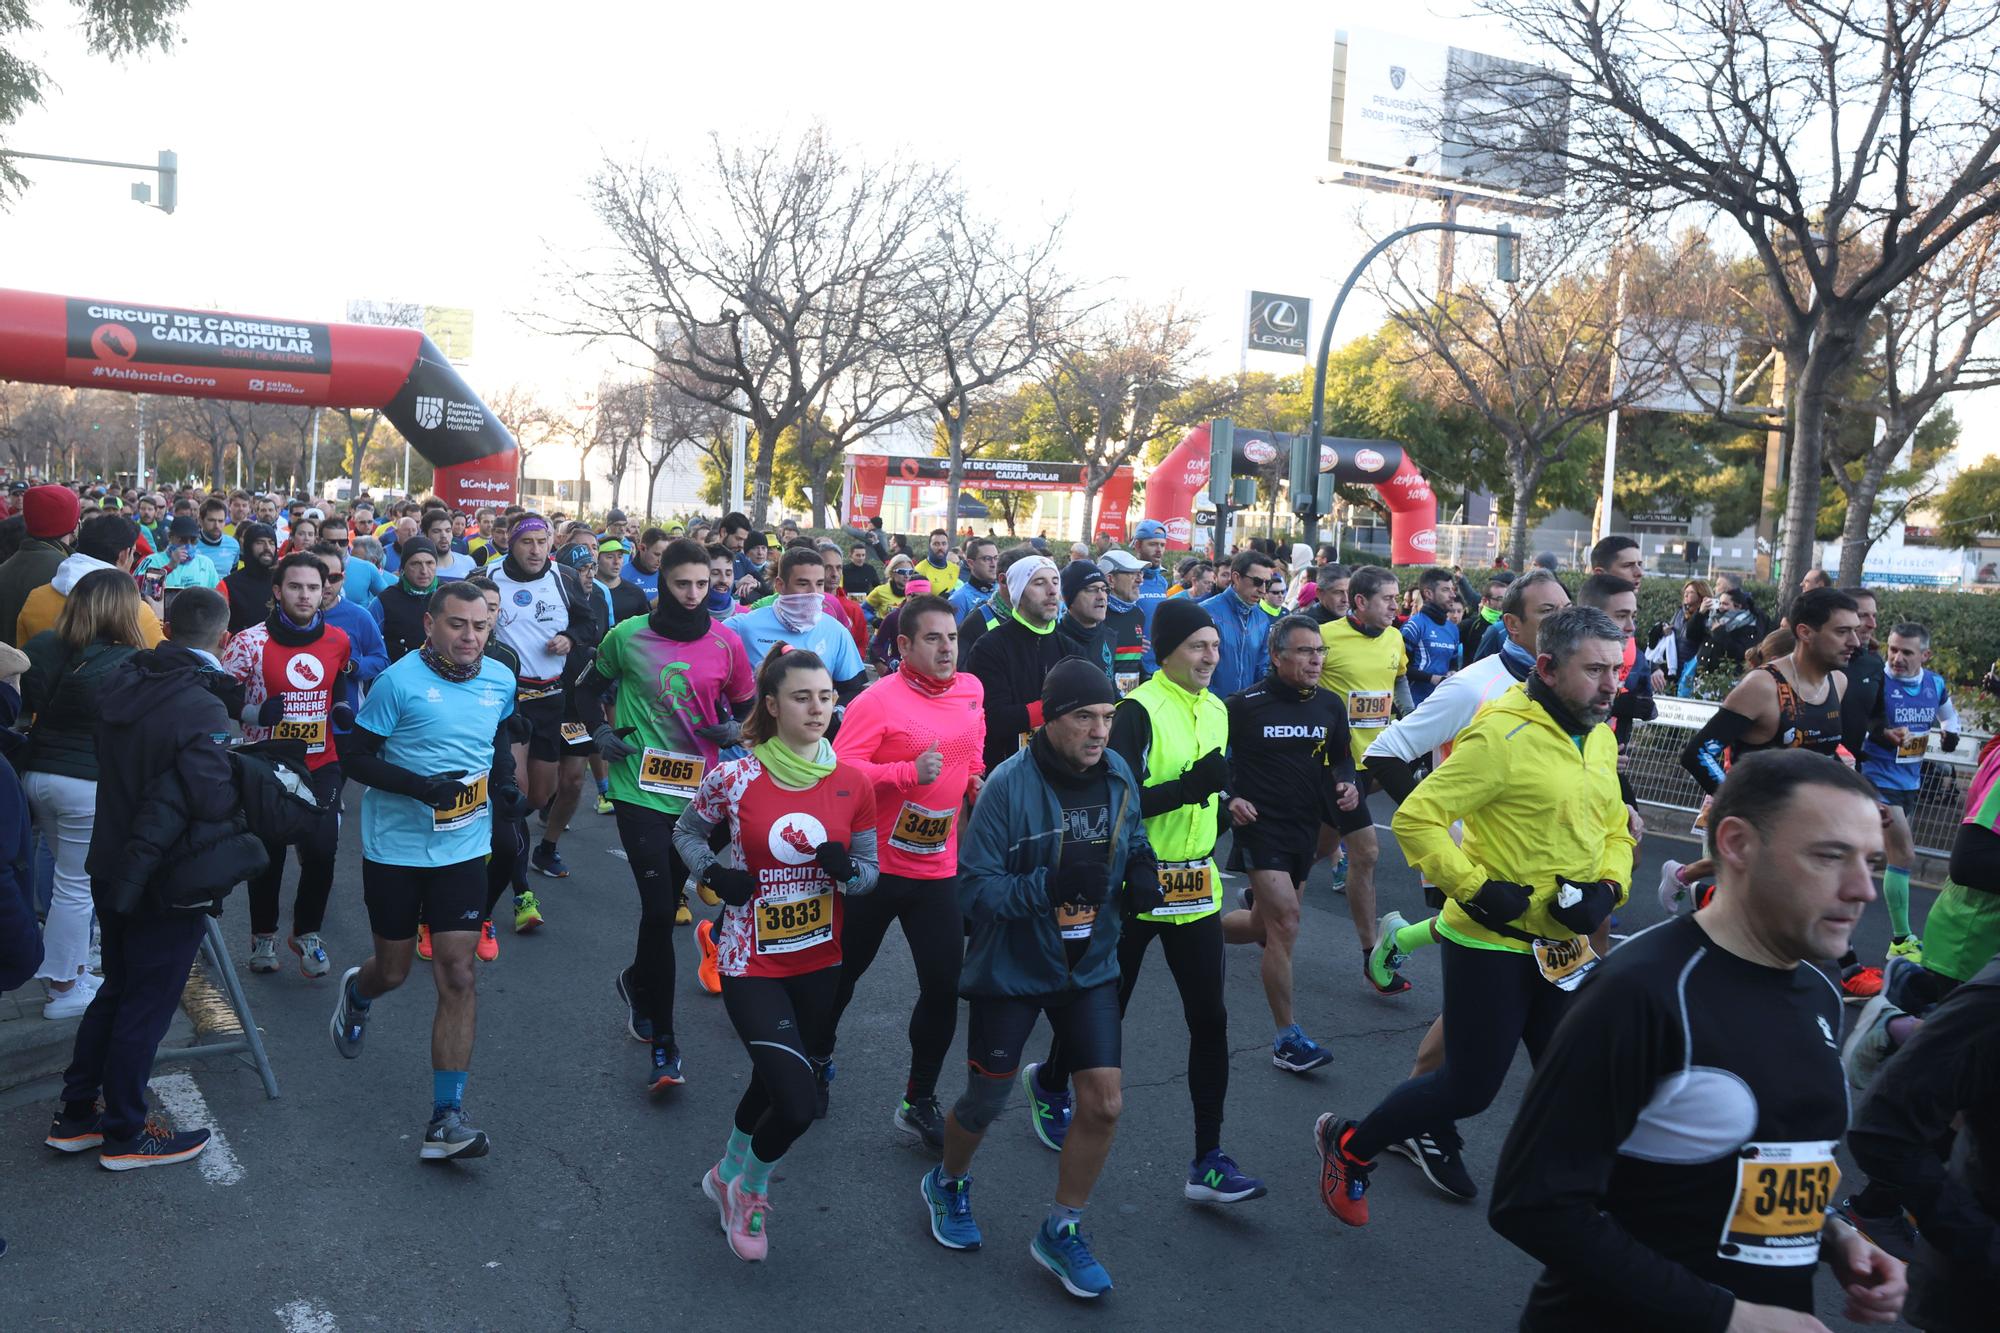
(1278, 323)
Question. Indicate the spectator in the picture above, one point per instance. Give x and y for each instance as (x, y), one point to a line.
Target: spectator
(858, 576)
(13, 531)
(1547, 560)
(108, 541)
(49, 514)
(1815, 578)
(1733, 630)
(1689, 621)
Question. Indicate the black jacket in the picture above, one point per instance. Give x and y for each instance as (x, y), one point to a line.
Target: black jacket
(1093, 645)
(34, 564)
(1010, 660)
(161, 743)
(402, 618)
(250, 597)
(20, 937)
(61, 689)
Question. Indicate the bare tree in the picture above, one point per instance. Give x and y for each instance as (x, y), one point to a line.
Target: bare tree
(761, 278)
(1850, 142)
(677, 418)
(207, 421)
(622, 408)
(527, 419)
(874, 393)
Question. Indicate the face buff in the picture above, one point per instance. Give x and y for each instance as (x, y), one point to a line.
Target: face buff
(800, 611)
(785, 765)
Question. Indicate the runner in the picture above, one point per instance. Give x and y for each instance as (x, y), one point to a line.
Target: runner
(801, 839)
(1290, 773)
(1080, 629)
(289, 667)
(1125, 620)
(628, 599)
(1915, 701)
(1013, 659)
(978, 577)
(1149, 543)
(1430, 638)
(642, 566)
(1242, 623)
(508, 851)
(1673, 1161)
(1547, 856)
(432, 746)
(664, 698)
(997, 609)
(1056, 834)
(937, 565)
(917, 736)
(1330, 594)
(1171, 732)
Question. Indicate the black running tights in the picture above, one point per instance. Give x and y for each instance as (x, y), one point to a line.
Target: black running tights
(648, 838)
(779, 1019)
(928, 911)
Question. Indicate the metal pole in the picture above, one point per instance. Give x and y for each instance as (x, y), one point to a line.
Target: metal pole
(406, 469)
(739, 449)
(312, 464)
(140, 480)
(1611, 423)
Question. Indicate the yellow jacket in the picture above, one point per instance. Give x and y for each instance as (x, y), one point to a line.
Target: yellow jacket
(1535, 804)
(942, 580)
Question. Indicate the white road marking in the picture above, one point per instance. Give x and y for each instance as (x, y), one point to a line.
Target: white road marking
(189, 1109)
(618, 852)
(305, 1317)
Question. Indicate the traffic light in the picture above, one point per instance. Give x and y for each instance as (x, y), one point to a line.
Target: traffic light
(1221, 458)
(1506, 261)
(1305, 476)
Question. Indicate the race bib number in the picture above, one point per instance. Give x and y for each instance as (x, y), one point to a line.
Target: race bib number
(796, 918)
(311, 730)
(665, 773)
(464, 810)
(1912, 750)
(1076, 920)
(1186, 887)
(1024, 738)
(1126, 681)
(1565, 963)
(921, 831)
(575, 733)
(1782, 1193)
(1369, 709)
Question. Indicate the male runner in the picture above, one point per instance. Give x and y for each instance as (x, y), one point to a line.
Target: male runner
(995, 610)
(1547, 857)
(937, 564)
(431, 744)
(290, 666)
(1430, 637)
(1149, 543)
(1125, 620)
(667, 694)
(1331, 600)
(977, 580)
(1672, 1164)
(1242, 622)
(628, 599)
(1013, 659)
(1915, 701)
(917, 734)
(798, 618)
(1291, 771)
(1055, 836)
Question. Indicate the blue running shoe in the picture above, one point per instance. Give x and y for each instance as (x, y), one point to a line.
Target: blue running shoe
(1048, 1112)
(1297, 1053)
(1066, 1253)
(666, 1071)
(951, 1210)
(637, 1024)
(1214, 1178)
(1340, 872)
(350, 1023)
(550, 863)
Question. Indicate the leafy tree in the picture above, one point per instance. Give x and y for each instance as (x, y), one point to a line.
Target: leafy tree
(1971, 501)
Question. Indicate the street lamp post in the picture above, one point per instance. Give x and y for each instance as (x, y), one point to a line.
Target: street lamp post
(167, 169)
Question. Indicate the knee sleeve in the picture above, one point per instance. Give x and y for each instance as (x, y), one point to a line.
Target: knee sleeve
(983, 1101)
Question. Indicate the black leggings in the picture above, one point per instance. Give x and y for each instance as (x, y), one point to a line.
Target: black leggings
(316, 855)
(648, 838)
(928, 910)
(1194, 953)
(779, 1020)
(507, 864)
(1975, 858)
(1492, 1000)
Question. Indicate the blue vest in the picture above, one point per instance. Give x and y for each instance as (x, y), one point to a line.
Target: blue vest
(1434, 649)
(1905, 703)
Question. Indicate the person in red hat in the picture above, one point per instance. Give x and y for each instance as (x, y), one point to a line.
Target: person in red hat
(51, 515)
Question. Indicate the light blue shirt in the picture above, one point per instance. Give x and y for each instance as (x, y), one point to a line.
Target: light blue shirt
(431, 726)
(760, 629)
(633, 574)
(364, 581)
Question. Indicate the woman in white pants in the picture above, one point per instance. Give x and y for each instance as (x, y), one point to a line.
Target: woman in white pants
(97, 630)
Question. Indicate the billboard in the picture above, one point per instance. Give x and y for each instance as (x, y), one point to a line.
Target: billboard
(1408, 105)
(1278, 323)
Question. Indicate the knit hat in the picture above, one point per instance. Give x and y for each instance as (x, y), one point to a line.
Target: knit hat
(1021, 571)
(181, 528)
(577, 556)
(916, 587)
(1173, 621)
(1076, 576)
(250, 532)
(414, 547)
(1075, 683)
(50, 511)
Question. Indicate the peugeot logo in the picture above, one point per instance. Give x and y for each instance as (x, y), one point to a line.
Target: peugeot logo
(1396, 76)
(1281, 316)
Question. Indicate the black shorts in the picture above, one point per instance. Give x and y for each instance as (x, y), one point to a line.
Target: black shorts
(1289, 845)
(444, 898)
(1085, 1024)
(544, 719)
(1360, 817)
(1906, 801)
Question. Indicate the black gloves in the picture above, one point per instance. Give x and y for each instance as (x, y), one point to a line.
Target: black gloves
(833, 858)
(611, 742)
(731, 885)
(271, 712)
(509, 803)
(1947, 741)
(725, 733)
(1206, 776)
(1498, 903)
(443, 791)
(1588, 912)
(1142, 886)
(343, 717)
(1082, 885)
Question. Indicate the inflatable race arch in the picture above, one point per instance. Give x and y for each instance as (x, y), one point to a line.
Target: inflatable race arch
(139, 348)
(1180, 484)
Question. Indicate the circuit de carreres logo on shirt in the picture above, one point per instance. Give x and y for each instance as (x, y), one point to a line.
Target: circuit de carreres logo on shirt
(794, 837)
(304, 672)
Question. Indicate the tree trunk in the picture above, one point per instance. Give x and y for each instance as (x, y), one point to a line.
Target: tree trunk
(760, 484)
(1524, 479)
(653, 471)
(1857, 535)
(1808, 418)
(1092, 484)
(954, 426)
(218, 450)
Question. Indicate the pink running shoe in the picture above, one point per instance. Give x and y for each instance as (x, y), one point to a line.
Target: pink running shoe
(1676, 898)
(718, 1194)
(748, 1214)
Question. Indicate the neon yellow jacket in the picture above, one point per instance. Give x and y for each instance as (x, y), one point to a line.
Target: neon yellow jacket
(1535, 802)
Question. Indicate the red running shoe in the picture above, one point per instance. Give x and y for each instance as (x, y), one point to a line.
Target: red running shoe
(1343, 1177)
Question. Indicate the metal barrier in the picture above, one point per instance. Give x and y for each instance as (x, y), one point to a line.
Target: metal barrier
(1652, 764)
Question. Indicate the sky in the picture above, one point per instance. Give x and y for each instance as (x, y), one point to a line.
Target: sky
(436, 152)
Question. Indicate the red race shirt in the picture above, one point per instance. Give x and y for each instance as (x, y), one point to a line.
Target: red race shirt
(304, 677)
(791, 925)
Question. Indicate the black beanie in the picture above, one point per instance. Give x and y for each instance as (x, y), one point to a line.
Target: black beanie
(1074, 683)
(1176, 618)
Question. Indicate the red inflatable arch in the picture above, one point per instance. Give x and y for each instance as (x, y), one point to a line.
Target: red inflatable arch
(93, 344)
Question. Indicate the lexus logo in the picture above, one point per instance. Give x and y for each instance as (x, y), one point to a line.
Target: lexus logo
(1277, 323)
(1281, 316)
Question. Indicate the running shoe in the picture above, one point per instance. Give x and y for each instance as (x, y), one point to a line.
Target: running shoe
(1675, 897)
(449, 1135)
(1295, 1052)
(1909, 947)
(155, 1145)
(637, 1024)
(718, 1194)
(312, 954)
(1340, 872)
(1215, 1178)
(1384, 961)
(683, 917)
(1048, 1112)
(922, 1120)
(950, 1203)
(745, 1218)
(1895, 1235)
(349, 1025)
(604, 806)
(76, 1133)
(423, 942)
(264, 953)
(1397, 984)
(1065, 1251)
(549, 862)
(666, 1069)
(488, 948)
(1868, 1042)
(527, 913)
(1441, 1157)
(1860, 983)
(1343, 1177)
(706, 971)
(823, 1076)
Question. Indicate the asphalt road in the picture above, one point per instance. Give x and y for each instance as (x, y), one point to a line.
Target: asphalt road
(588, 1213)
